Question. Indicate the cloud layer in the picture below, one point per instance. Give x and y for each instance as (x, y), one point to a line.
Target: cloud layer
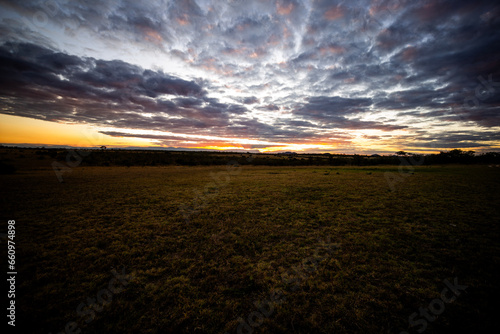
(374, 73)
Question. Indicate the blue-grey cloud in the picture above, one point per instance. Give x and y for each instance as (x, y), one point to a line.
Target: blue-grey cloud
(274, 70)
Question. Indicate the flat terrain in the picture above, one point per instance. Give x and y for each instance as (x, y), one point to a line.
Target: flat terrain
(322, 249)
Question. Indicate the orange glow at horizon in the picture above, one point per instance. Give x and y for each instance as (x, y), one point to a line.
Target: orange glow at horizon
(22, 130)
(16, 130)
(299, 147)
(220, 148)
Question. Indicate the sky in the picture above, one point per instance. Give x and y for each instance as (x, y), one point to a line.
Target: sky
(364, 77)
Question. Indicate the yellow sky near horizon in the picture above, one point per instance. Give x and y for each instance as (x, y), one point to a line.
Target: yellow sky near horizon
(16, 130)
(22, 130)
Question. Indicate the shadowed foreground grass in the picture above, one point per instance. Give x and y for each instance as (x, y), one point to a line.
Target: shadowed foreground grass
(202, 274)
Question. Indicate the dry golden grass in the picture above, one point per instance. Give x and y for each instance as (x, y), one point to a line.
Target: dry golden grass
(203, 273)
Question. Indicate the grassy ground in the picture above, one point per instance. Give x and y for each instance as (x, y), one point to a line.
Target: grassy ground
(323, 250)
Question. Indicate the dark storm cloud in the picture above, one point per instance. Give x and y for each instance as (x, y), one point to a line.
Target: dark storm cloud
(337, 112)
(444, 47)
(141, 21)
(454, 139)
(40, 83)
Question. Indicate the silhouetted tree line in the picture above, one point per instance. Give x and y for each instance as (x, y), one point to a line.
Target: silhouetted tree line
(120, 157)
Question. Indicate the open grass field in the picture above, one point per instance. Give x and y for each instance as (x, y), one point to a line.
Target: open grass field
(247, 249)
